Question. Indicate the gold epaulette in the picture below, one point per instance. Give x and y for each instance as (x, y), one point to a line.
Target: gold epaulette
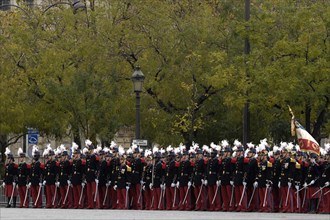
(298, 166)
(129, 169)
(292, 160)
(269, 164)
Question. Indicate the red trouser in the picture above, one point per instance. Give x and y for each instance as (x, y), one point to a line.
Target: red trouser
(9, 190)
(158, 203)
(169, 193)
(238, 195)
(34, 194)
(66, 200)
(264, 203)
(101, 196)
(134, 195)
(147, 197)
(276, 198)
(114, 203)
(200, 201)
(211, 193)
(76, 196)
(226, 192)
(22, 192)
(185, 192)
(254, 204)
(286, 199)
(121, 196)
(325, 201)
(50, 190)
(90, 190)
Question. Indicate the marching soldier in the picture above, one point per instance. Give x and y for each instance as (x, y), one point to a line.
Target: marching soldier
(65, 171)
(50, 173)
(263, 181)
(22, 180)
(170, 176)
(159, 168)
(36, 176)
(227, 184)
(148, 173)
(78, 167)
(114, 169)
(91, 170)
(312, 183)
(324, 206)
(240, 179)
(285, 183)
(137, 169)
(275, 178)
(102, 178)
(198, 179)
(252, 172)
(10, 179)
(122, 183)
(212, 181)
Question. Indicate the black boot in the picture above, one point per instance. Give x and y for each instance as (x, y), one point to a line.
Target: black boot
(8, 205)
(14, 202)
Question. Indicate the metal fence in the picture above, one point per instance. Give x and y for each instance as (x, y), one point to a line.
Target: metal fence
(3, 199)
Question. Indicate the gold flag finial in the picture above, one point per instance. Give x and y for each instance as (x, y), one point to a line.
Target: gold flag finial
(291, 112)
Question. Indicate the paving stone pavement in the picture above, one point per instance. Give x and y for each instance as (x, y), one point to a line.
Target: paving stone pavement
(73, 214)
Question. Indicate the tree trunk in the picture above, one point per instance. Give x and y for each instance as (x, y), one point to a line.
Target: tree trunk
(308, 111)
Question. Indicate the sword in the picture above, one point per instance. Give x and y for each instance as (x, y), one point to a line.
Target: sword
(265, 196)
(199, 194)
(304, 198)
(66, 194)
(26, 193)
(126, 203)
(185, 197)
(38, 195)
(297, 198)
(54, 195)
(106, 194)
(254, 189)
(326, 193)
(96, 190)
(160, 197)
(174, 197)
(232, 195)
(140, 194)
(81, 193)
(240, 201)
(12, 193)
(319, 190)
(215, 195)
(287, 195)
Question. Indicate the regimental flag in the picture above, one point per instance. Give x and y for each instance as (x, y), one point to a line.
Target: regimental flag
(306, 141)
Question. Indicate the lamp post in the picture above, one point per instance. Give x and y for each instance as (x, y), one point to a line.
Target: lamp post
(137, 79)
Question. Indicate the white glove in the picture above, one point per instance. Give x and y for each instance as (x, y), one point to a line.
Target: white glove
(40, 184)
(255, 184)
(96, 181)
(3, 185)
(178, 184)
(244, 183)
(141, 182)
(205, 182)
(189, 184)
(28, 185)
(232, 183)
(143, 187)
(202, 181)
(127, 187)
(115, 187)
(289, 184)
(297, 187)
(151, 185)
(83, 184)
(44, 182)
(173, 185)
(313, 160)
(218, 182)
(305, 185)
(279, 184)
(57, 184)
(69, 182)
(312, 182)
(267, 185)
(107, 184)
(326, 184)
(162, 186)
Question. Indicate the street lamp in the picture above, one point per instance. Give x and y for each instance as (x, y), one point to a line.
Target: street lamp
(137, 79)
